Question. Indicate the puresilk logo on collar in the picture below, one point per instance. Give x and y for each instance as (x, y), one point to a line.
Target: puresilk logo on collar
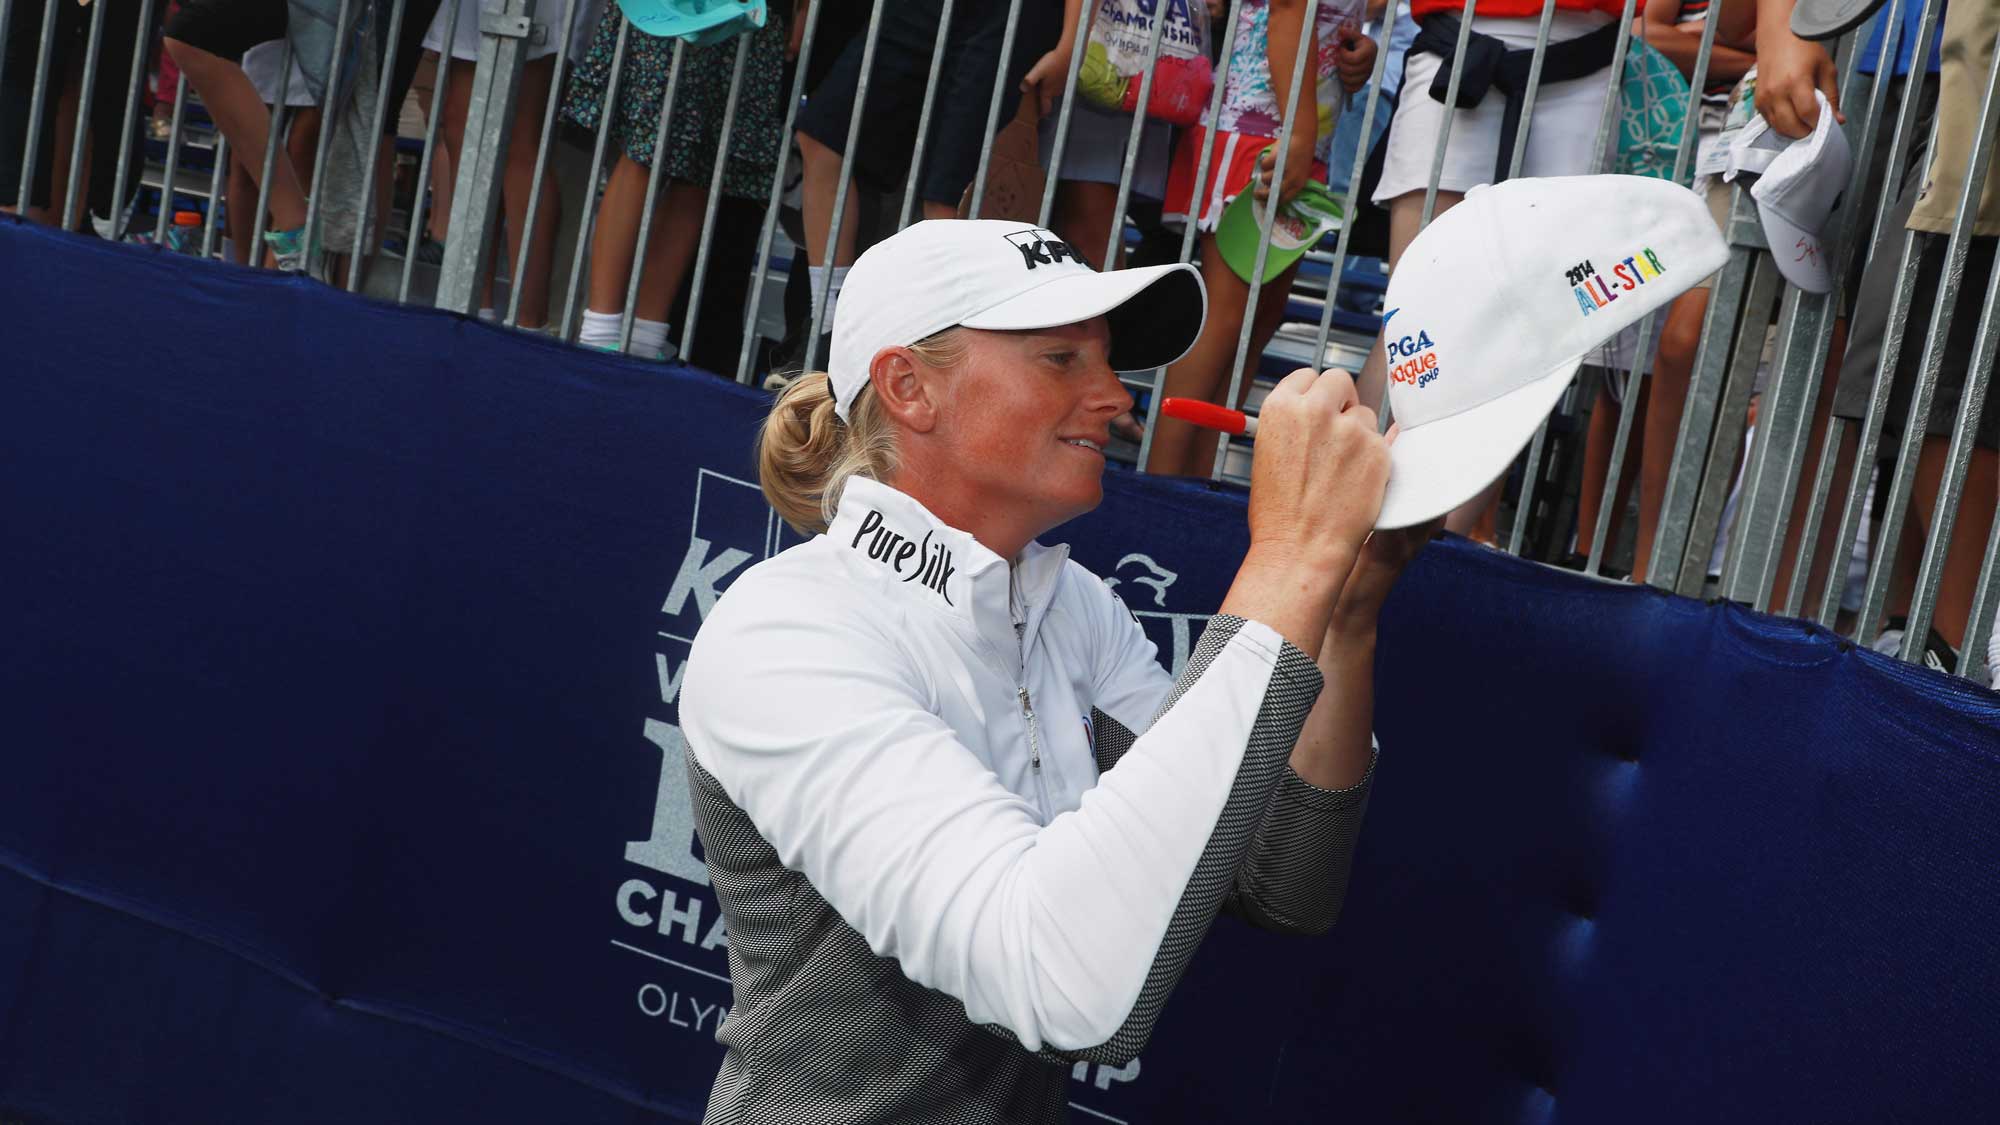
(1594, 291)
(925, 562)
(1039, 247)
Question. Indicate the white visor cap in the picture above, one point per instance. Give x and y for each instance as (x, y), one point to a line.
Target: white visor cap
(1798, 184)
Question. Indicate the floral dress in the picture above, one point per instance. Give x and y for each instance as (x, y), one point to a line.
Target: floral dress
(695, 132)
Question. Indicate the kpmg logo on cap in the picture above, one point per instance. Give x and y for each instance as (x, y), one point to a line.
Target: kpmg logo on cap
(1039, 247)
(1595, 290)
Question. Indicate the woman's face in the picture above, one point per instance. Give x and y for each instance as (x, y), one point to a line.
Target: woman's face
(1026, 420)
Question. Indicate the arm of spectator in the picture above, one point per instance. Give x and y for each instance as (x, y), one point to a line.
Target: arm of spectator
(1286, 35)
(1354, 59)
(797, 36)
(1682, 46)
(1050, 73)
(1736, 21)
(1789, 70)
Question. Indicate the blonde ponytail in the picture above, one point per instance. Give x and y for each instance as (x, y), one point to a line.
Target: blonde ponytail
(805, 453)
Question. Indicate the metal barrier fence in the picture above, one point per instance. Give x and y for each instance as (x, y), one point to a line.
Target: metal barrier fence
(1790, 533)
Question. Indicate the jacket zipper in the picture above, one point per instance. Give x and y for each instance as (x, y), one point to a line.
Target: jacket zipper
(1028, 713)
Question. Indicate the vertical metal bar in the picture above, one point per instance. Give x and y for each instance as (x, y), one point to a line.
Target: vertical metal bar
(140, 40)
(1892, 342)
(217, 176)
(1350, 209)
(80, 134)
(714, 196)
(1520, 153)
(1604, 121)
(1308, 30)
(166, 209)
(1951, 490)
(1754, 519)
(651, 203)
(1196, 207)
(1134, 135)
(765, 237)
(1979, 624)
(1822, 488)
(343, 29)
(272, 139)
(1784, 431)
(1445, 120)
(924, 117)
(1698, 419)
(846, 173)
(1906, 117)
(1871, 436)
(1616, 82)
(489, 120)
(593, 185)
(1636, 374)
(1847, 248)
(1083, 12)
(1724, 451)
(35, 101)
(374, 148)
(541, 165)
(440, 88)
(6, 30)
(1927, 380)
(1785, 408)
(993, 106)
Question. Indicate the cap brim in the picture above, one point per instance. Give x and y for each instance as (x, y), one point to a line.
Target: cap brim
(1439, 465)
(1156, 312)
(1826, 19)
(1800, 254)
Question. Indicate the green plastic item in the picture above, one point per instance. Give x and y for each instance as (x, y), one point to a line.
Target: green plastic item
(1297, 228)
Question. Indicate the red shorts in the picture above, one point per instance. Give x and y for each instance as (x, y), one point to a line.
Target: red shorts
(1231, 164)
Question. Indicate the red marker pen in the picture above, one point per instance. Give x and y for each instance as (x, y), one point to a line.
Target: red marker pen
(1210, 416)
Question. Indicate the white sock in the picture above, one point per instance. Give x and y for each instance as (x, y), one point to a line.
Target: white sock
(820, 276)
(490, 315)
(649, 338)
(600, 330)
(1993, 653)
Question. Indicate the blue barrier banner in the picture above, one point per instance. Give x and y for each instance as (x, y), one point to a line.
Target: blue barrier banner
(341, 777)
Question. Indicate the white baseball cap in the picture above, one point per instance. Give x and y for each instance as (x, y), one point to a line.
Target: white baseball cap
(1002, 275)
(1798, 183)
(1492, 308)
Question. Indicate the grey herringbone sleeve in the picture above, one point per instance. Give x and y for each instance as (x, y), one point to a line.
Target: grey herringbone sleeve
(824, 1031)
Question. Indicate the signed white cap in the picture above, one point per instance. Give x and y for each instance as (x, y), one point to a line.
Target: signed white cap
(1798, 183)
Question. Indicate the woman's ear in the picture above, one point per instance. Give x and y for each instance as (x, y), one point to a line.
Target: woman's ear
(900, 385)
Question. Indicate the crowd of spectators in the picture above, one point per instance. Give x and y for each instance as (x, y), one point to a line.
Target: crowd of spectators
(590, 77)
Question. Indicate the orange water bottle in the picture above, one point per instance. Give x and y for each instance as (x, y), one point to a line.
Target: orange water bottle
(184, 237)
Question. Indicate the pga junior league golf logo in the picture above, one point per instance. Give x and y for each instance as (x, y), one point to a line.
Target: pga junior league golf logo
(1412, 359)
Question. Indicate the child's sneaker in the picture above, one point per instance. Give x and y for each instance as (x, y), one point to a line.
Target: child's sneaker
(290, 249)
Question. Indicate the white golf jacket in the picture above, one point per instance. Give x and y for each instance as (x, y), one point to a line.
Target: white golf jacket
(901, 751)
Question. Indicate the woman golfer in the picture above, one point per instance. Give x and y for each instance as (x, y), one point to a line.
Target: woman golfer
(963, 827)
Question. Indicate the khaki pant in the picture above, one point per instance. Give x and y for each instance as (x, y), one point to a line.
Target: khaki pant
(1969, 30)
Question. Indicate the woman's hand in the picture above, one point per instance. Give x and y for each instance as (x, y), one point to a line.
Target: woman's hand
(1354, 59)
(1382, 561)
(1375, 572)
(1298, 166)
(1317, 481)
(1316, 486)
(1045, 79)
